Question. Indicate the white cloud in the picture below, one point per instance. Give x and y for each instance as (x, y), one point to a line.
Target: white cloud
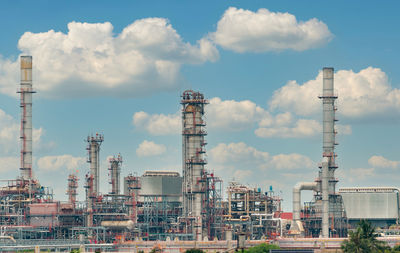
(357, 174)
(54, 163)
(240, 175)
(149, 148)
(91, 60)
(303, 128)
(239, 154)
(246, 31)
(382, 162)
(9, 163)
(158, 124)
(233, 115)
(291, 161)
(10, 135)
(367, 93)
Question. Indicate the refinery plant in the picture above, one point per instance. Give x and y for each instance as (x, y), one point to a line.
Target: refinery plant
(188, 207)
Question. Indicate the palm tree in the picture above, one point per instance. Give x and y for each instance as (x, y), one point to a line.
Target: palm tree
(364, 240)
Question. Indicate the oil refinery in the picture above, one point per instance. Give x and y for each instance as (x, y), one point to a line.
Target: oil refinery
(183, 210)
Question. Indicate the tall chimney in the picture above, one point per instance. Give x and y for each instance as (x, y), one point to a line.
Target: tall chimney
(328, 181)
(26, 117)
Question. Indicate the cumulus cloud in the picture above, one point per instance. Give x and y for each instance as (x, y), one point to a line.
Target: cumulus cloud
(362, 94)
(54, 163)
(233, 115)
(9, 163)
(157, 124)
(382, 162)
(360, 174)
(237, 152)
(247, 31)
(241, 175)
(303, 128)
(240, 154)
(149, 148)
(291, 161)
(10, 135)
(91, 60)
(228, 115)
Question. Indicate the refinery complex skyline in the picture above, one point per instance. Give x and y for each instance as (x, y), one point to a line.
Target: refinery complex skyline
(120, 72)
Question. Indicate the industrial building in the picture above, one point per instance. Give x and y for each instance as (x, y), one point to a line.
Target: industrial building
(187, 206)
(379, 205)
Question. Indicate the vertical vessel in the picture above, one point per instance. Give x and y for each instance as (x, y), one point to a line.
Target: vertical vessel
(193, 151)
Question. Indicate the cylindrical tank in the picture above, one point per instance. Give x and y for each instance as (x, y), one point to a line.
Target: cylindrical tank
(127, 224)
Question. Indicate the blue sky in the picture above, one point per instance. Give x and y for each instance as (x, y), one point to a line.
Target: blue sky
(107, 63)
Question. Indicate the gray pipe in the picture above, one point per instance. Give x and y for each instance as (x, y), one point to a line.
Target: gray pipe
(325, 198)
(312, 186)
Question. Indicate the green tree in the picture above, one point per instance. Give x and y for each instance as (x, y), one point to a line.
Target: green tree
(194, 251)
(261, 248)
(364, 240)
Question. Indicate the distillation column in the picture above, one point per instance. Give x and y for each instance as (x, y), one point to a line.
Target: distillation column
(193, 132)
(26, 117)
(115, 172)
(93, 148)
(72, 189)
(328, 181)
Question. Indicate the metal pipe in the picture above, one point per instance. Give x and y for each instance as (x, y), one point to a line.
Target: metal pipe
(312, 186)
(325, 198)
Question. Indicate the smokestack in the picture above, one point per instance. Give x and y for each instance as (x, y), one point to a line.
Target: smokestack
(26, 117)
(328, 163)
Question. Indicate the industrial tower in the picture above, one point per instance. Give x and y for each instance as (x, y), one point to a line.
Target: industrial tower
(332, 203)
(93, 148)
(72, 188)
(26, 117)
(325, 215)
(115, 172)
(193, 143)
